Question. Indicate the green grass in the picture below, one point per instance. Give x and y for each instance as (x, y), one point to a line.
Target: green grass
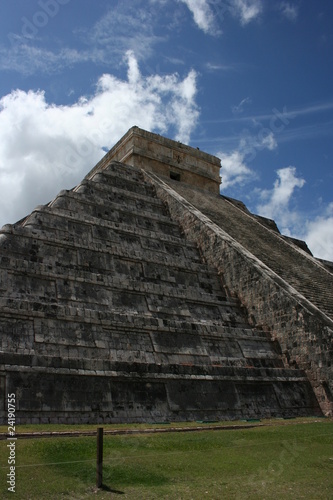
(294, 460)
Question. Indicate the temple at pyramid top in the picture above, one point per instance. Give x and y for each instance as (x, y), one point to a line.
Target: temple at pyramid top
(166, 157)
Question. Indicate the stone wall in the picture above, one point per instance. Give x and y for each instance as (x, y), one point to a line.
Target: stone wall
(304, 333)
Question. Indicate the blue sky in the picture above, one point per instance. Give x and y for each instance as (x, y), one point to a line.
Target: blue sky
(250, 81)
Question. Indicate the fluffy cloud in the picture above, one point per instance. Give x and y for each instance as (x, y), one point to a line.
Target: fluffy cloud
(46, 148)
(319, 234)
(234, 169)
(277, 204)
(206, 13)
(203, 15)
(276, 201)
(246, 10)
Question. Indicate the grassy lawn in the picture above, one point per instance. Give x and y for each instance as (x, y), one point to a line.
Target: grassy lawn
(294, 460)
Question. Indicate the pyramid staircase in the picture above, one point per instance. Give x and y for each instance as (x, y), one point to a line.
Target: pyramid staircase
(298, 268)
(109, 314)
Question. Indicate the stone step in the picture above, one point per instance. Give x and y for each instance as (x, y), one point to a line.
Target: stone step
(122, 170)
(111, 210)
(61, 314)
(194, 349)
(46, 300)
(133, 369)
(47, 294)
(120, 197)
(120, 270)
(73, 231)
(152, 228)
(97, 359)
(94, 331)
(69, 340)
(14, 284)
(145, 346)
(76, 227)
(33, 246)
(111, 178)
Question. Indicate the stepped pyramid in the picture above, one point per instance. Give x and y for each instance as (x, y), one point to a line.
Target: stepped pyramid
(144, 295)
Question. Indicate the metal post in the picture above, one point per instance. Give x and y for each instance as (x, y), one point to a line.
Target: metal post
(99, 463)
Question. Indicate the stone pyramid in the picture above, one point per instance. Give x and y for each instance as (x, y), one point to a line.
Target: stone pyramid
(144, 295)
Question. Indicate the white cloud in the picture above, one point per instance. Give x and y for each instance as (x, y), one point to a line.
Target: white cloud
(45, 148)
(276, 201)
(246, 10)
(319, 234)
(202, 10)
(289, 11)
(280, 204)
(203, 15)
(234, 169)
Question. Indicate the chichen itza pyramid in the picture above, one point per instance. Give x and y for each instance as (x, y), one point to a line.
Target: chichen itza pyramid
(144, 295)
